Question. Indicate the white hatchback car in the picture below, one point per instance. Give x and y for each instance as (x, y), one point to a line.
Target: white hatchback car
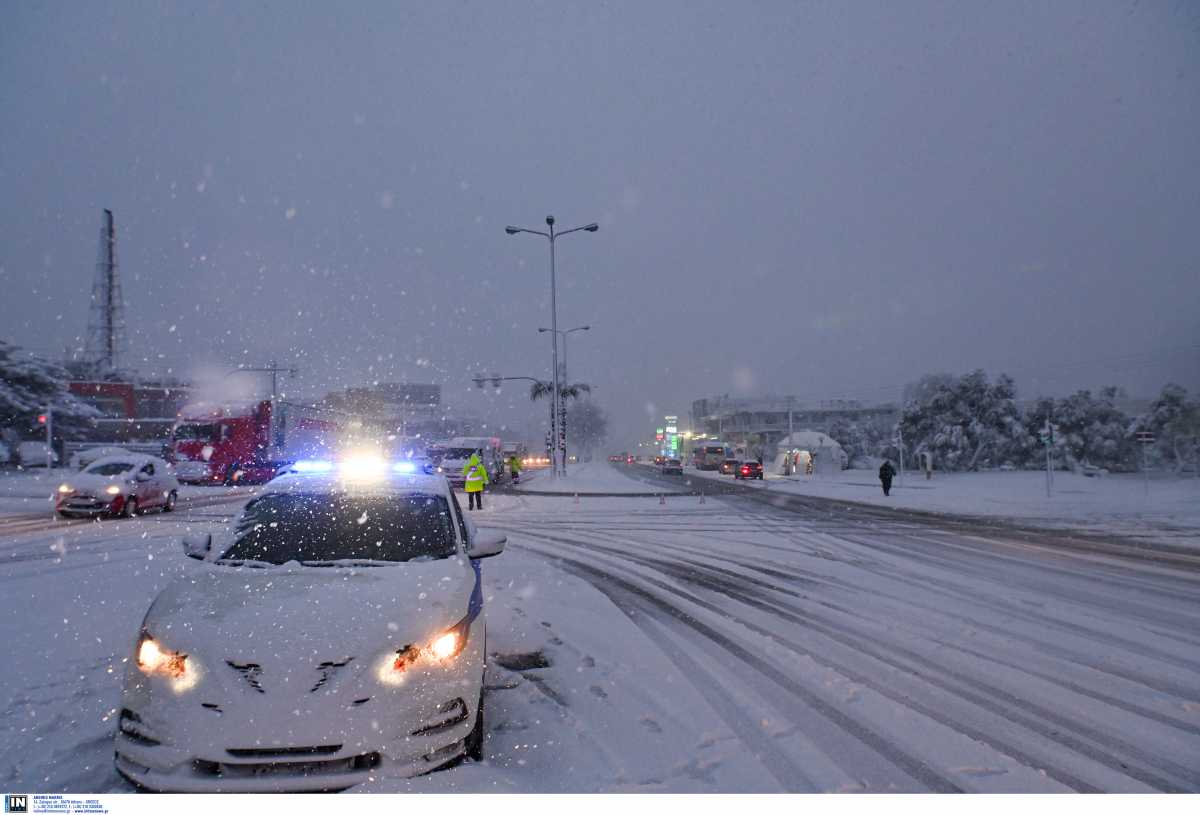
(123, 484)
(335, 634)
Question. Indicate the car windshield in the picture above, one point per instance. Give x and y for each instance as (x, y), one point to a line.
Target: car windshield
(460, 452)
(195, 432)
(110, 468)
(320, 528)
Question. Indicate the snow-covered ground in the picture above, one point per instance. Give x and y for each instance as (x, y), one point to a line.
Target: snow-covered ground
(590, 477)
(728, 646)
(1114, 504)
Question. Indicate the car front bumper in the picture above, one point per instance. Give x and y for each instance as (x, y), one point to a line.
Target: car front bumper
(90, 506)
(250, 743)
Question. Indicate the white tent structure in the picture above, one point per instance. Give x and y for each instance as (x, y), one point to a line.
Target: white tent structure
(798, 449)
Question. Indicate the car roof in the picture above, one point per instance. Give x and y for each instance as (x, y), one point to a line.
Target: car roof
(388, 483)
(128, 458)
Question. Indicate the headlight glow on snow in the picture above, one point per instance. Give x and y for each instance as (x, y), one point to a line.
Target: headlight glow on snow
(174, 666)
(443, 648)
(113, 489)
(404, 467)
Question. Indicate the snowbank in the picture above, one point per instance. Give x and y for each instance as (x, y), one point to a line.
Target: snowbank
(1114, 504)
(593, 477)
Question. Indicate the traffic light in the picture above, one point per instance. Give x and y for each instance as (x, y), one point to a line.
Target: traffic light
(41, 418)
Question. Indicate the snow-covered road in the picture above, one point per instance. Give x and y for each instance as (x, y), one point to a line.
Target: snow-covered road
(723, 646)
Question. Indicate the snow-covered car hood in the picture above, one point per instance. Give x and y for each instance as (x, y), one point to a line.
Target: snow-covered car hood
(283, 617)
(92, 484)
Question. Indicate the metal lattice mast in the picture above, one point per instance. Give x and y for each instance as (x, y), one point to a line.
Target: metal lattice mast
(106, 321)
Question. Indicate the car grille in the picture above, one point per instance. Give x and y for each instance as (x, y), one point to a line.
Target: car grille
(449, 714)
(337, 766)
(135, 729)
(282, 752)
(85, 502)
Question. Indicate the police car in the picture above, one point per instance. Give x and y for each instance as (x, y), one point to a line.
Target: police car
(334, 634)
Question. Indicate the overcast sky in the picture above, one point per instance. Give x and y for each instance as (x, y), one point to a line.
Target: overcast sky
(824, 199)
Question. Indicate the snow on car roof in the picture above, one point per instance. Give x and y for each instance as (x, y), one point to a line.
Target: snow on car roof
(389, 483)
(127, 458)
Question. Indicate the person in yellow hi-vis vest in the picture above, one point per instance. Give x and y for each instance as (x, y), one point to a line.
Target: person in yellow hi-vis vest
(475, 476)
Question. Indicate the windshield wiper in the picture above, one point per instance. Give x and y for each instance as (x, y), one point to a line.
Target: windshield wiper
(347, 562)
(248, 563)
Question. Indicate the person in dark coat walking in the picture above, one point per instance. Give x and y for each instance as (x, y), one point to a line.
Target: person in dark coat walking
(886, 473)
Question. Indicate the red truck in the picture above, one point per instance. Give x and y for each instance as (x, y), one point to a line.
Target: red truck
(226, 444)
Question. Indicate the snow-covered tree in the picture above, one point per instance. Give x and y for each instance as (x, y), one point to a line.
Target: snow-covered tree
(587, 424)
(964, 422)
(1089, 429)
(1175, 422)
(28, 385)
(859, 439)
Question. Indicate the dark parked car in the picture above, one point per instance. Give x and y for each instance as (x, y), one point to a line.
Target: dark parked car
(749, 469)
(671, 466)
(729, 466)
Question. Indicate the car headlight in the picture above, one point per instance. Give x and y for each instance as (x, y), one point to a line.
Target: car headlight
(440, 649)
(113, 489)
(65, 488)
(153, 659)
(176, 667)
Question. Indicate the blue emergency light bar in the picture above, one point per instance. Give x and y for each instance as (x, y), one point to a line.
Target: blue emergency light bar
(312, 466)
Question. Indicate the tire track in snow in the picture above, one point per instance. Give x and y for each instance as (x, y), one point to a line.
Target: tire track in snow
(1030, 717)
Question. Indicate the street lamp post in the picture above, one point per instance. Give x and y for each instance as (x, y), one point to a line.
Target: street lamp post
(561, 410)
(552, 237)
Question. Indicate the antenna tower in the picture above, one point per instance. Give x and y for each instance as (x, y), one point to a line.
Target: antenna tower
(106, 320)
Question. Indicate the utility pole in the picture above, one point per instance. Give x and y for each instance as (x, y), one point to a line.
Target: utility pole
(900, 446)
(1145, 438)
(1047, 442)
(1047, 439)
(49, 437)
(273, 369)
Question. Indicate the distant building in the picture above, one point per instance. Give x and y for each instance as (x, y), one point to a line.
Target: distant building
(409, 409)
(759, 424)
(131, 411)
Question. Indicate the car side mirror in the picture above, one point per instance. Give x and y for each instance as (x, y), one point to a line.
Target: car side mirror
(486, 544)
(197, 546)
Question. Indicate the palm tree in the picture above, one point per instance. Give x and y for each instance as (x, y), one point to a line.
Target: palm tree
(540, 390)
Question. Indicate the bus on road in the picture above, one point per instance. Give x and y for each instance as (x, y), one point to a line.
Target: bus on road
(709, 455)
